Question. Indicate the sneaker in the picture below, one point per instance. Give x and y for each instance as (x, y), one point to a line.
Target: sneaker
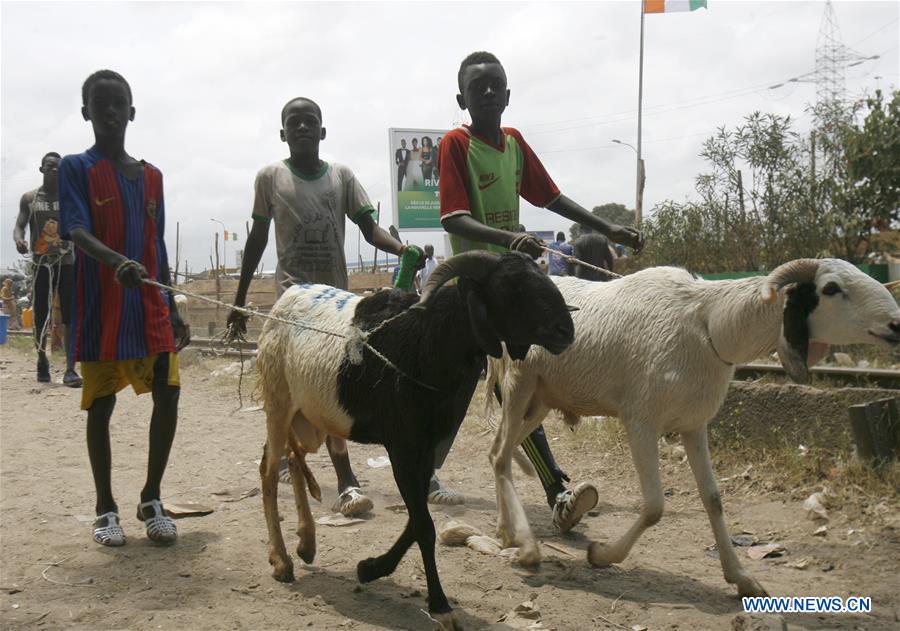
(72, 379)
(571, 505)
(43, 371)
(352, 502)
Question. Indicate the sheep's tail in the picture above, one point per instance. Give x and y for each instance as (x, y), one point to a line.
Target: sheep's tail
(495, 369)
(491, 381)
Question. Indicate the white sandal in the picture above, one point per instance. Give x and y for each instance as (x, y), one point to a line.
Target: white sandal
(111, 534)
(160, 527)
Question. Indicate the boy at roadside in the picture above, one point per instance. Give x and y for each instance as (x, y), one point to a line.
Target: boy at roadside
(125, 332)
(51, 264)
(430, 264)
(484, 168)
(309, 200)
(592, 248)
(557, 265)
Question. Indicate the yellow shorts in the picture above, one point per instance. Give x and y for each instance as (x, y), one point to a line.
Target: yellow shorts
(104, 378)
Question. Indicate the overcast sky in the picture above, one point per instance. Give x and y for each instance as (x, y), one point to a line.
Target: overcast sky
(209, 80)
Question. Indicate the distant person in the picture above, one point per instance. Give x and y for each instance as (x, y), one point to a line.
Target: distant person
(592, 247)
(559, 266)
(52, 260)
(430, 264)
(8, 297)
(112, 208)
(401, 159)
(484, 169)
(309, 201)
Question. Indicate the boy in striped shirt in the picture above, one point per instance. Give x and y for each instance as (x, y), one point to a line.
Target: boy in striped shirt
(126, 332)
(484, 169)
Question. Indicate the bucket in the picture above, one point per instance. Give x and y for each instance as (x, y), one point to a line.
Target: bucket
(4, 323)
(27, 318)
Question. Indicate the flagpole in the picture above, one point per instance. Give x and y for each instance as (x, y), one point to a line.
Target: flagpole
(638, 197)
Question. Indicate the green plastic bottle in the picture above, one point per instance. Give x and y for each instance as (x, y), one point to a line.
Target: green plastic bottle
(408, 267)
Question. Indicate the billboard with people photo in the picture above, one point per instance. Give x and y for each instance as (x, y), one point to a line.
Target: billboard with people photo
(414, 178)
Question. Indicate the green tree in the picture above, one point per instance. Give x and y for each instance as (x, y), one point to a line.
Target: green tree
(864, 185)
(612, 212)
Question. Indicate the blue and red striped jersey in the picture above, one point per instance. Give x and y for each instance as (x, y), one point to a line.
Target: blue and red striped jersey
(111, 322)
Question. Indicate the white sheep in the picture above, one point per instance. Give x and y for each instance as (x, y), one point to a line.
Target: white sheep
(658, 349)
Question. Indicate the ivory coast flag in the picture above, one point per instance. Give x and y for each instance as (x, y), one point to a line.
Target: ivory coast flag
(670, 6)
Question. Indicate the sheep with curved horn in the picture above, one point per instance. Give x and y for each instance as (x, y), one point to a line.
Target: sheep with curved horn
(657, 349)
(312, 389)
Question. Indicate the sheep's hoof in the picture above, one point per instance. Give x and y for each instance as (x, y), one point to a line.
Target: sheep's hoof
(749, 586)
(529, 556)
(368, 570)
(599, 555)
(282, 572)
(506, 538)
(306, 553)
(446, 622)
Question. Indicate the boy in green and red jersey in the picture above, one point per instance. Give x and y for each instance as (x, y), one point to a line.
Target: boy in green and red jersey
(484, 169)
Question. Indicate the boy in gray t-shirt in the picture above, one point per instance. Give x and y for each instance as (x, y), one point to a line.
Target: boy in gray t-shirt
(308, 200)
(309, 212)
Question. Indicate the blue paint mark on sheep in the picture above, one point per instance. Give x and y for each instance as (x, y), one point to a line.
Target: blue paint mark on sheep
(342, 302)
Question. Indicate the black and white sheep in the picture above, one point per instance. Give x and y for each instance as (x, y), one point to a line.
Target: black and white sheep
(311, 389)
(658, 349)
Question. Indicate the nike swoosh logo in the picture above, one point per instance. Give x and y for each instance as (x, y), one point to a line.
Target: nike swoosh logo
(103, 202)
(484, 186)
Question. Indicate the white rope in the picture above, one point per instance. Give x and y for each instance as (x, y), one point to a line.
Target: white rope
(55, 260)
(361, 339)
(574, 261)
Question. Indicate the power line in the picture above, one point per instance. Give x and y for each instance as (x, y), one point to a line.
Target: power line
(610, 146)
(875, 32)
(734, 92)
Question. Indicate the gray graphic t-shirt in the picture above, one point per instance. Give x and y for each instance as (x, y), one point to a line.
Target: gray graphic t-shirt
(309, 214)
(47, 247)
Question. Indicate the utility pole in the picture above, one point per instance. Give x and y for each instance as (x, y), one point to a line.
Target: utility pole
(177, 249)
(218, 281)
(375, 256)
(224, 245)
(639, 179)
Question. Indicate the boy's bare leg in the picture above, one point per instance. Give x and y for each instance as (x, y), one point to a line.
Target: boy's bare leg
(99, 452)
(351, 500)
(162, 433)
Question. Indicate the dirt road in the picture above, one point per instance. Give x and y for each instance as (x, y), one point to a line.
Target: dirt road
(217, 576)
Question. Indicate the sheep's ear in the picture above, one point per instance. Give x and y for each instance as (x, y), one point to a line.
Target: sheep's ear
(484, 333)
(793, 343)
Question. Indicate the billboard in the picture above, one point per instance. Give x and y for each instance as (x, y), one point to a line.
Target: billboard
(414, 178)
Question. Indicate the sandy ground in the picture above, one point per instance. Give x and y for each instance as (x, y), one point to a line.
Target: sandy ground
(217, 576)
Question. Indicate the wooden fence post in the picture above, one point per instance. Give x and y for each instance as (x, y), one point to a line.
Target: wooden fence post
(876, 430)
